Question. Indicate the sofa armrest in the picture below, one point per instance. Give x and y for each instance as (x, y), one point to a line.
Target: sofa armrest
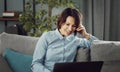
(3, 65)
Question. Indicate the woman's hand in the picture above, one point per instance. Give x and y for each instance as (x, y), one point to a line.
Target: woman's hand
(81, 29)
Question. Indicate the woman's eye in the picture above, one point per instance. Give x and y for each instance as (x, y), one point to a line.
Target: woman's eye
(74, 26)
(67, 24)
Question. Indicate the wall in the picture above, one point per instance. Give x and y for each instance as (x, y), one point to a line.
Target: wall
(1, 10)
(12, 5)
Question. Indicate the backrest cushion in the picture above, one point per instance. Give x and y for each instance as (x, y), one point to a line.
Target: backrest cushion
(105, 50)
(83, 54)
(23, 44)
(109, 52)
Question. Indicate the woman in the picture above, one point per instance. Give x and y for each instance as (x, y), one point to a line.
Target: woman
(61, 44)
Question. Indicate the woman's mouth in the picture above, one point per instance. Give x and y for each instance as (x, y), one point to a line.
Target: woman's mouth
(68, 32)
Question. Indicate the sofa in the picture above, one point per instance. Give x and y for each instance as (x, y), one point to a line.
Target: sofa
(16, 53)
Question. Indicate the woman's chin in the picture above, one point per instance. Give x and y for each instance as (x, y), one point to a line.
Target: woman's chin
(68, 34)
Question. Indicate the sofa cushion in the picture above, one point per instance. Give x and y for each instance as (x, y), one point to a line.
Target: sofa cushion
(111, 66)
(82, 54)
(105, 51)
(23, 44)
(3, 65)
(17, 61)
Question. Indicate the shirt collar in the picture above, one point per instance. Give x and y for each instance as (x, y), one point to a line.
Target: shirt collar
(70, 37)
(58, 34)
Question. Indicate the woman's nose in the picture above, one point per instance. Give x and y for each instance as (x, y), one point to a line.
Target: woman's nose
(70, 28)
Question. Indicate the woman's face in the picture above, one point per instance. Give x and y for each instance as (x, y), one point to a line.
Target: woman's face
(68, 27)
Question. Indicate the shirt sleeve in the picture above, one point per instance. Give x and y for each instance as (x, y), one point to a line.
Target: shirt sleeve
(86, 43)
(39, 55)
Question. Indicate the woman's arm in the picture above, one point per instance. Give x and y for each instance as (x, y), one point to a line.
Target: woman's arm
(81, 29)
(83, 42)
(39, 55)
(88, 38)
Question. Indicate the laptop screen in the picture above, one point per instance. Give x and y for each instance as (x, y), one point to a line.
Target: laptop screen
(94, 66)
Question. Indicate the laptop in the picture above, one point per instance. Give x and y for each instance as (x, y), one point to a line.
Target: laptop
(93, 66)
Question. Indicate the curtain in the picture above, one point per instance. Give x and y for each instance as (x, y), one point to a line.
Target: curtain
(101, 18)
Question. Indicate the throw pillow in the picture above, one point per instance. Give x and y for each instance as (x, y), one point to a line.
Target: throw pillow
(18, 62)
(3, 65)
